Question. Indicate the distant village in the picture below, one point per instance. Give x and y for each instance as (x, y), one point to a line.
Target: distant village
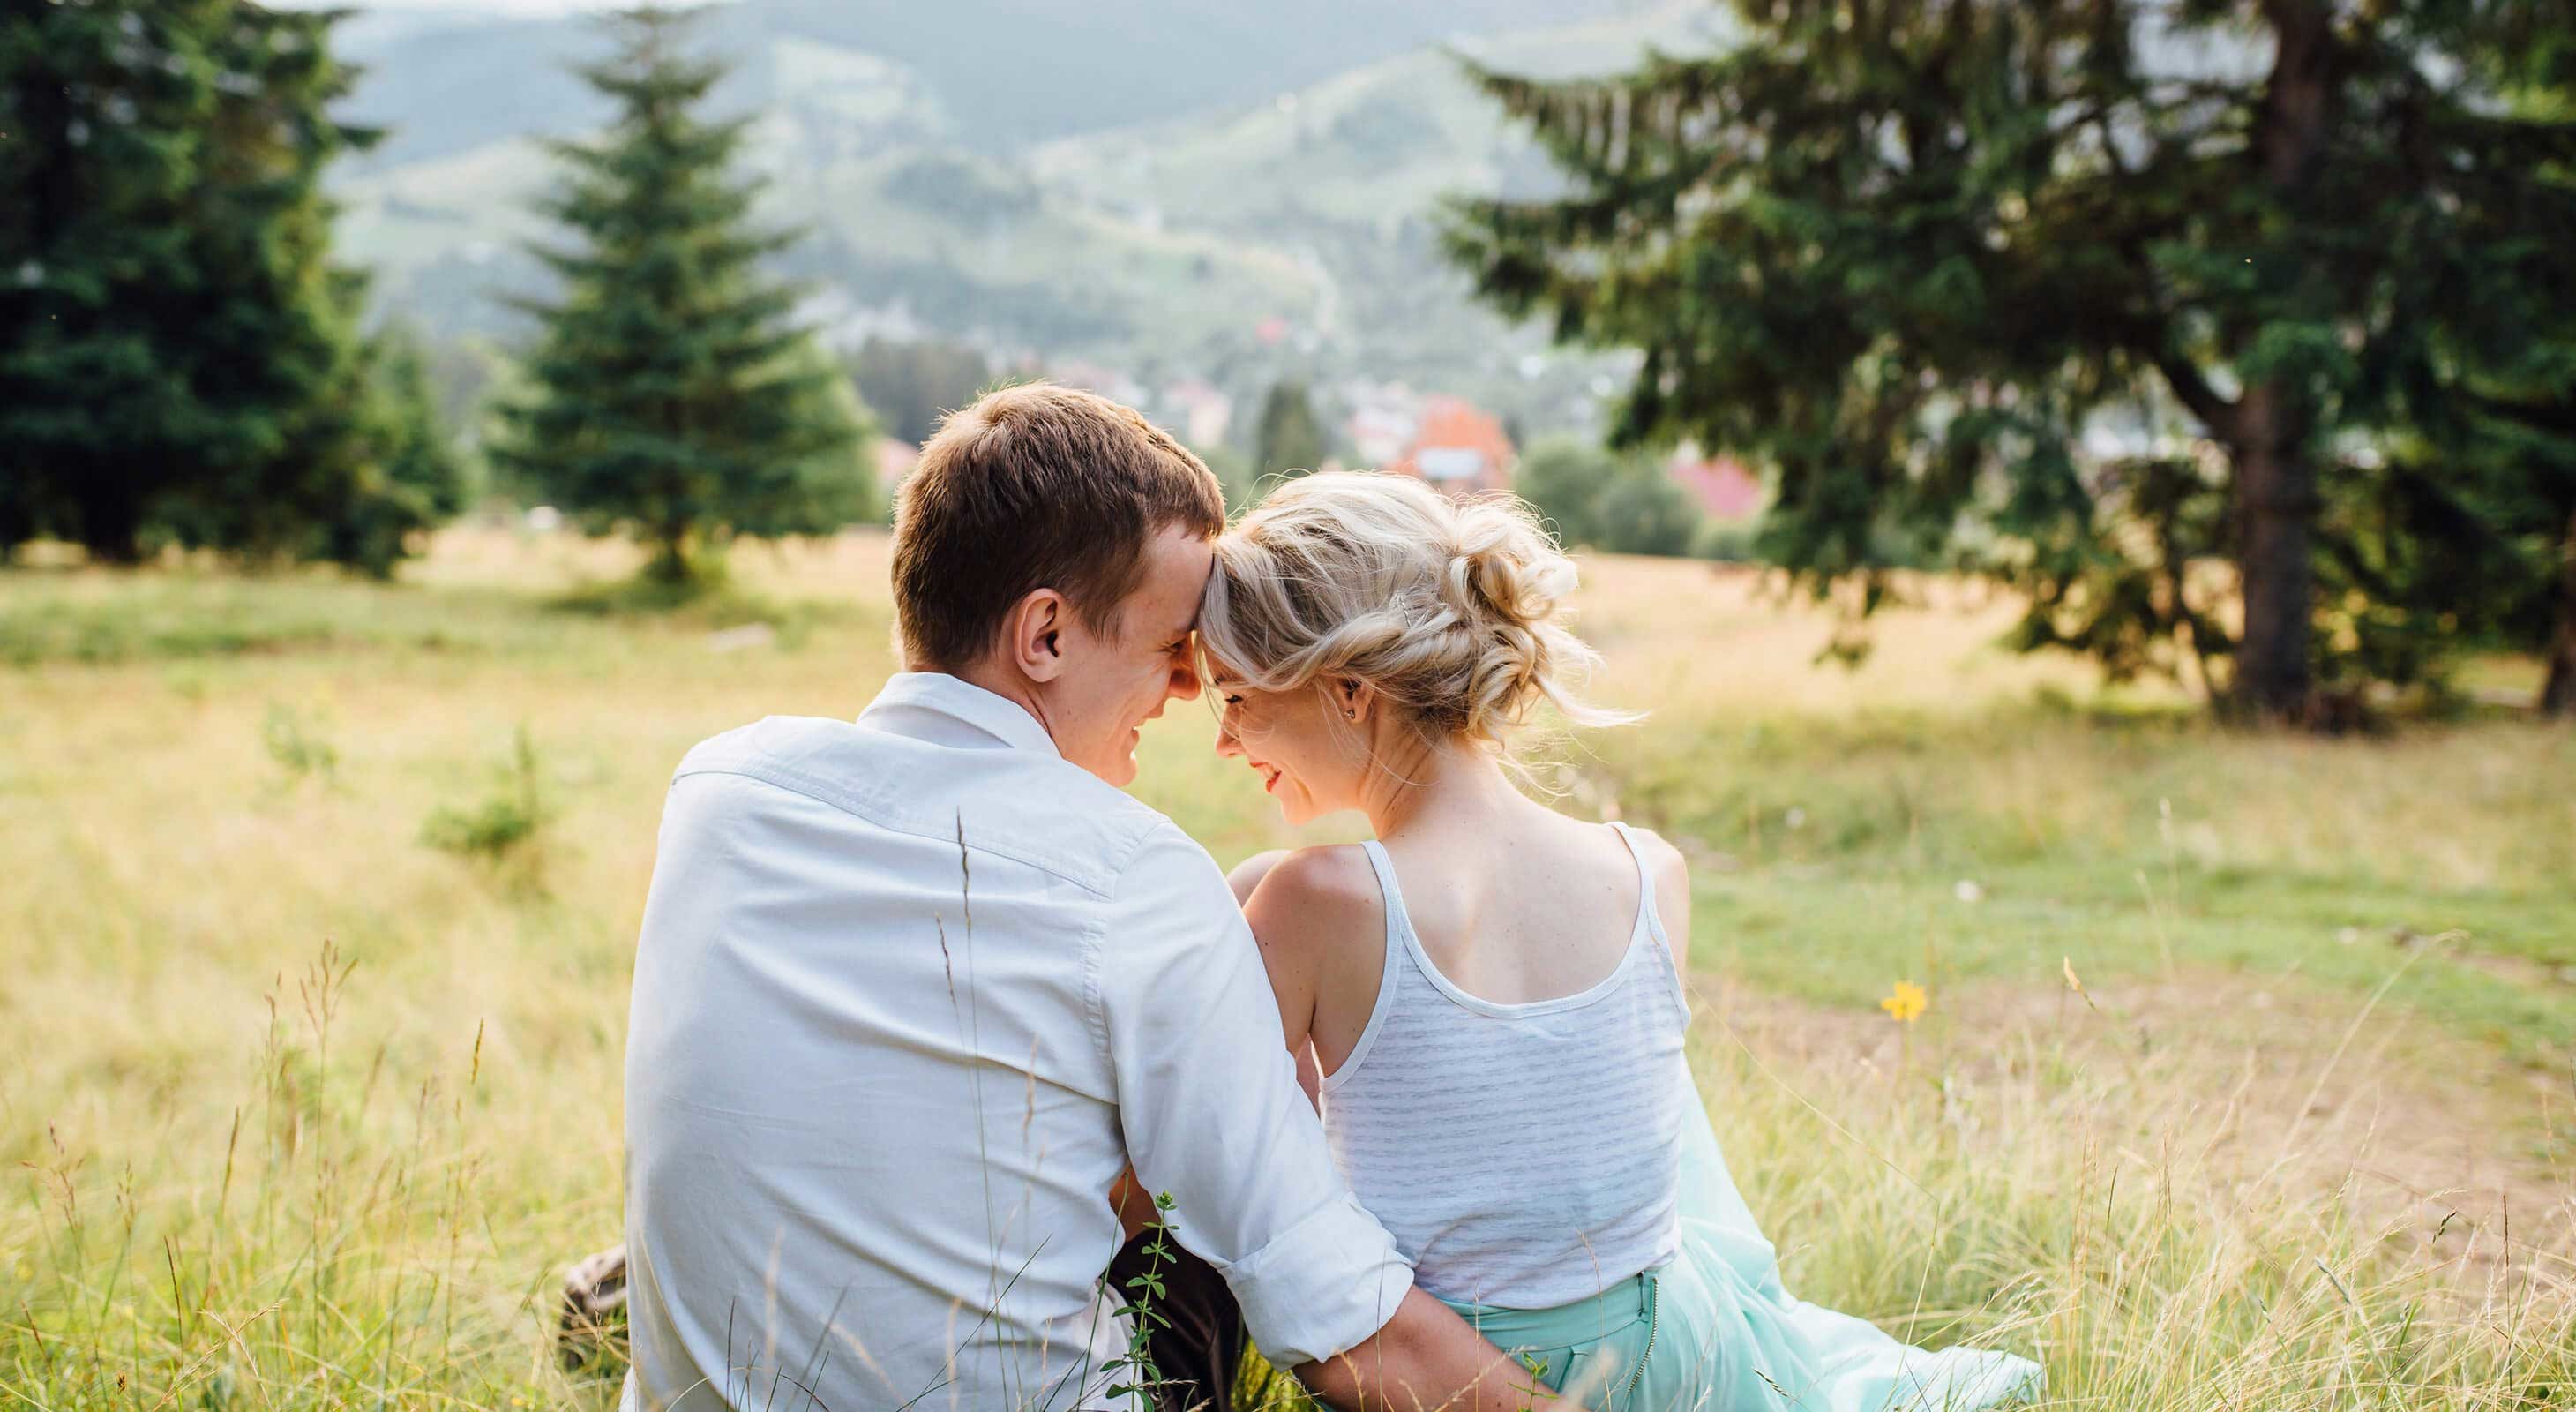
(1448, 441)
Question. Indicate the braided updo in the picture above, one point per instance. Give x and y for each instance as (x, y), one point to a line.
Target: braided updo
(1451, 610)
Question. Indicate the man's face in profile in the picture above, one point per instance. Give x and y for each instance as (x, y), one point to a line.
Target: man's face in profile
(1118, 679)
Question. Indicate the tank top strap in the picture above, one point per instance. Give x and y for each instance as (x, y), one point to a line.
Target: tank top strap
(1650, 920)
(1398, 925)
(1399, 928)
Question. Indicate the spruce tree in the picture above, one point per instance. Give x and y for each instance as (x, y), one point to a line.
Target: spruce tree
(1289, 439)
(1909, 256)
(2499, 413)
(2488, 491)
(415, 477)
(669, 390)
(912, 386)
(179, 358)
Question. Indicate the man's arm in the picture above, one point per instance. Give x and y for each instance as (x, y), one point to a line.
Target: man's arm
(1423, 1335)
(1427, 1358)
(1212, 1114)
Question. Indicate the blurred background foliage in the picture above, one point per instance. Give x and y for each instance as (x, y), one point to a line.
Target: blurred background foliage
(2234, 339)
(2128, 306)
(2062, 370)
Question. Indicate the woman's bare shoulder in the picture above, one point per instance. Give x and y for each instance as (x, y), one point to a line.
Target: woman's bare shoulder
(1671, 872)
(1311, 895)
(1664, 862)
(1309, 911)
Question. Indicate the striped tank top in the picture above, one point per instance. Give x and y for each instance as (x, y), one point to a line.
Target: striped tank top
(1521, 1155)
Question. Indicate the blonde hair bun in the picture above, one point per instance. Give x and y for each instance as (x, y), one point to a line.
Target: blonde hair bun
(1452, 610)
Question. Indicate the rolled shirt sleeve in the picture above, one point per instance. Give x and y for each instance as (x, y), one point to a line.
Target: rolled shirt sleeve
(1208, 1098)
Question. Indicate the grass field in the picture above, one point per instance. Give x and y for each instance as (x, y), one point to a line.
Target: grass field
(306, 1110)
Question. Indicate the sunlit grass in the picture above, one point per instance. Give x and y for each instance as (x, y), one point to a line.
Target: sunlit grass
(2332, 1003)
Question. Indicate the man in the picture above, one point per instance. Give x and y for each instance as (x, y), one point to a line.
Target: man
(913, 992)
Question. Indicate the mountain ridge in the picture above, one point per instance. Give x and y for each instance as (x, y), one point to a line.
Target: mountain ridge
(1277, 233)
(1033, 70)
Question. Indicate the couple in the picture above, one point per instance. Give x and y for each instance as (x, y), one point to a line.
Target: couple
(927, 1011)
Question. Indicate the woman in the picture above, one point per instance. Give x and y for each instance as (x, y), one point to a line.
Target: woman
(1487, 998)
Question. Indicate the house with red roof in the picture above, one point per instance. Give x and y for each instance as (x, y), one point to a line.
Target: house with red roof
(1459, 448)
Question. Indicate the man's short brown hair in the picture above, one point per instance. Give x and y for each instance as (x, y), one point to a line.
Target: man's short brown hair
(1036, 486)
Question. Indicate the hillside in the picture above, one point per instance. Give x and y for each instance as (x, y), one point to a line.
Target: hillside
(1367, 148)
(1267, 231)
(1013, 71)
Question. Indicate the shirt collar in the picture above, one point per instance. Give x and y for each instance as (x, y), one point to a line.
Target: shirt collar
(937, 694)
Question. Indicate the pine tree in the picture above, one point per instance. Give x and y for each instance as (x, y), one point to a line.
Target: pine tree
(2509, 421)
(97, 404)
(1909, 255)
(2558, 687)
(415, 478)
(1289, 440)
(2538, 445)
(2490, 495)
(913, 385)
(2469, 521)
(178, 357)
(669, 390)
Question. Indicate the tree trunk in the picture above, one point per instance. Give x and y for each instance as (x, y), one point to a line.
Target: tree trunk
(111, 521)
(2276, 501)
(670, 562)
(2558, 694)
(2276, 484)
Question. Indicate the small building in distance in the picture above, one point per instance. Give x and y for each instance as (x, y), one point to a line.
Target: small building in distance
(1723, 487)
(1095, 377)
(1198, 411)
(894, 461)
(1381, 428)
(1458, 447)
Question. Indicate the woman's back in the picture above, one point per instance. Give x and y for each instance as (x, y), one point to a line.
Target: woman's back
(1499, 1062)
(1508, 1108)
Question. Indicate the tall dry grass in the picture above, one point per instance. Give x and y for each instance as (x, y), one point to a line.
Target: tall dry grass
(308, 1113)
(358, 1239)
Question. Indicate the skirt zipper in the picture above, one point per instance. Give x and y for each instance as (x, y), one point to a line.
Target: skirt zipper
(1654, 1320)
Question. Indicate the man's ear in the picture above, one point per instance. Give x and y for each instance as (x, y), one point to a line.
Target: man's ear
(1033, 634)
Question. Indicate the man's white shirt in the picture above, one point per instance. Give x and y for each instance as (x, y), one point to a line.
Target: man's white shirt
(910, 993)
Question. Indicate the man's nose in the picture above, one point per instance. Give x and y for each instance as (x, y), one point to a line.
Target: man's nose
(1185, 681)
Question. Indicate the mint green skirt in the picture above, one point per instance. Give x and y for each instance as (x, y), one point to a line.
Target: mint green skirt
(1595, 1351)
(1715, 1328)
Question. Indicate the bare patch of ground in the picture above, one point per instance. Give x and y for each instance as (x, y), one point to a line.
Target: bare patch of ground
(2257, 1079)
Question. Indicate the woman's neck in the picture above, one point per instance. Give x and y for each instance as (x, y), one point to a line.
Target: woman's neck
(1437, 787)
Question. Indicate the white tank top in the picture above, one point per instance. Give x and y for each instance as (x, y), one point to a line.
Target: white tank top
(1521, 1155)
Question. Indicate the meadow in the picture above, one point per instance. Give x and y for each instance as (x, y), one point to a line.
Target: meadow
(2242, 1081)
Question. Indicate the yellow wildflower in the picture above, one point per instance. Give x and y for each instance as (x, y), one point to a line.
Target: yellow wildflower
(2077, 986)
(1907, 1003)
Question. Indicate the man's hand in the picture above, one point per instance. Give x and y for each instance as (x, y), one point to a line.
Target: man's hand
(1135, 1209)
(1426, 1359)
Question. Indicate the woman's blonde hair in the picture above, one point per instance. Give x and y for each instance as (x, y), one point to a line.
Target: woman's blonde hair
(1452, 610)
